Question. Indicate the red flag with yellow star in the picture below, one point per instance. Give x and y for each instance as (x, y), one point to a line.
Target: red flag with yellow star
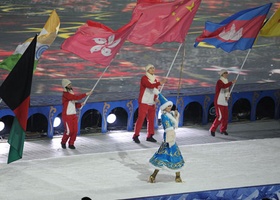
(152, 1)
(163, 21)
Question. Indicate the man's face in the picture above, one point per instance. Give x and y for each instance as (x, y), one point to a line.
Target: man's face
(69, 86)
(151, 70)
(225, 75)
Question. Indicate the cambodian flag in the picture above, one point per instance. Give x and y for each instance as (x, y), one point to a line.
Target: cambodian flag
(237, 32)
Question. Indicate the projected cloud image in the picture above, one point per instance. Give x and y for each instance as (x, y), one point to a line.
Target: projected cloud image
(193, 67)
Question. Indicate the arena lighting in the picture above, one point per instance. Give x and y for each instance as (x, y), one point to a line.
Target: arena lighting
(2, 126)
(56, 122)
(111, 118)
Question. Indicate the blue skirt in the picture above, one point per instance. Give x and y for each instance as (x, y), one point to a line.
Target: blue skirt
(168, 157)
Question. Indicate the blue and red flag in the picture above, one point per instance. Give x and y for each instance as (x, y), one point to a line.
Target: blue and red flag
(238, 32)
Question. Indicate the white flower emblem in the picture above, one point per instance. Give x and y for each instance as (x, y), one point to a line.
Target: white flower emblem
(105, 46)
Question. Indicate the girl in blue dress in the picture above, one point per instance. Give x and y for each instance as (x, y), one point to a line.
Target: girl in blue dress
(168, 155)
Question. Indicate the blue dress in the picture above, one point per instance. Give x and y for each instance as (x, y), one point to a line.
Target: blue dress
(167, 157)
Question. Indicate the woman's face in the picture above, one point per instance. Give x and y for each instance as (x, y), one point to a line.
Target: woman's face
(168, 108)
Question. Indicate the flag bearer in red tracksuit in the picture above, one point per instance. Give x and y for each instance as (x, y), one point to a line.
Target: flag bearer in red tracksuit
(147, 100)
(69, 114)
(221, 103)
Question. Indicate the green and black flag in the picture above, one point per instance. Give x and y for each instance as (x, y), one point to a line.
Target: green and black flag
(15, 92)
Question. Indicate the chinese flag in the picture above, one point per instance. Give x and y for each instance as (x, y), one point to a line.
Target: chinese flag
(162, 21)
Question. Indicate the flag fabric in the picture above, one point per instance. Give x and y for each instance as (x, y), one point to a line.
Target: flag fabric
(151, 1)
(15, 92)
(163, 21)
(96, 42)
(238, 32)
(272, 26)
(44, 40)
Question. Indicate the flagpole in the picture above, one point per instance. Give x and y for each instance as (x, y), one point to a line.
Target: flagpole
(172, 64)
(240, 69)
(95, 84)
(179, 85)
(246, 58)
(79, 111)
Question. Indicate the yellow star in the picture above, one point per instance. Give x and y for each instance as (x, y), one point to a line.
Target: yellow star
(173, 13)
(178, 19)
(190, 7)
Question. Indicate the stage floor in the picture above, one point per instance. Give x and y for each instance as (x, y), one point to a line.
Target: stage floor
(112, 166)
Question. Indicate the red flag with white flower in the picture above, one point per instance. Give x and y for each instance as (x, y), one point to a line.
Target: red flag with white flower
(96, 42)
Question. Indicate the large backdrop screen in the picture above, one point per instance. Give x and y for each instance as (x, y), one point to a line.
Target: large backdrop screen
(192, 68)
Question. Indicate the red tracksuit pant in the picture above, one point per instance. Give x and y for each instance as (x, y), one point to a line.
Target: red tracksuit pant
(148, 112)
(70, 129)
(221, 118)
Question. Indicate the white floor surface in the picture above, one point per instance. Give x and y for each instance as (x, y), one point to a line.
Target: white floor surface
(124, 174)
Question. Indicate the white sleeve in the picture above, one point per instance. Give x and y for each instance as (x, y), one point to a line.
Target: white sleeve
(170, 137)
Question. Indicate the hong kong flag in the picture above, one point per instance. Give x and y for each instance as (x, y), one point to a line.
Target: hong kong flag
(15, 92)
(96, 42)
